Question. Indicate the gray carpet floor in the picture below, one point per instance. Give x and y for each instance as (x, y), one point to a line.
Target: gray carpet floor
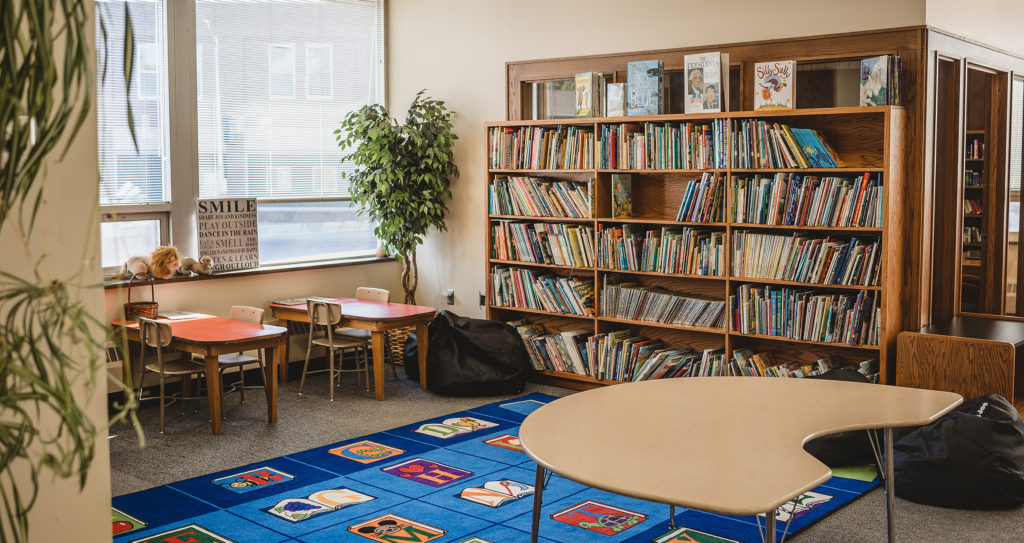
(189, 449)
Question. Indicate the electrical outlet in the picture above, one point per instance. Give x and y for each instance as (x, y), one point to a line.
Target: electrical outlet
(449, 295)
(483, 299)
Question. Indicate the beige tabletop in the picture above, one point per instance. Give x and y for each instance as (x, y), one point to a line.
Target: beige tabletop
(730, 445)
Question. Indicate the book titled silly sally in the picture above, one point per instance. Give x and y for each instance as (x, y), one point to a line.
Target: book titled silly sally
(773, 84)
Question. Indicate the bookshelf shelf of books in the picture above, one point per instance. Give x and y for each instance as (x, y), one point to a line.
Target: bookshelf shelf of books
(674, 253)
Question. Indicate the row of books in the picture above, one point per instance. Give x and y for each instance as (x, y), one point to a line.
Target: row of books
(702, 199)
(806, 259)
(561, 351)
(663, 146)
(763, 364)
(807, 315)
(526, 288)
(761, 144)
(542, 148)
(668, 250)
(543, 243)
(972, 234)
(539, 197)
(972, 178)
(880, 81)
(635, 302)
(795, 200)
(975, 149)
(972, 207)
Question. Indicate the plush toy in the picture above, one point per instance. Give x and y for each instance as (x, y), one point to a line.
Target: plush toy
(189, 265)
(160, 264)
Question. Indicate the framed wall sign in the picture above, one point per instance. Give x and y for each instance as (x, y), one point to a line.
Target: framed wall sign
(228, 233)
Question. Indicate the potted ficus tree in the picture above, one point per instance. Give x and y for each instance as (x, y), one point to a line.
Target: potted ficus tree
(402, 174)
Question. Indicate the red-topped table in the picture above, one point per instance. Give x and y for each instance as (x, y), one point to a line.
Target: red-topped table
(213, 336)
(378, 318)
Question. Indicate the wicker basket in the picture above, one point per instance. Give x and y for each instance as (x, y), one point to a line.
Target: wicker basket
(396, 344)
(134, 310)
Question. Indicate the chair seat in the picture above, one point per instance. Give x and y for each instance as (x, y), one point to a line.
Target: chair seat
(354, 333)
(230, 360)
(177, 366)
(340, 342)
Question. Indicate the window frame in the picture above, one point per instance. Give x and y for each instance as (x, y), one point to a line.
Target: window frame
(290, 47)
(177, 215)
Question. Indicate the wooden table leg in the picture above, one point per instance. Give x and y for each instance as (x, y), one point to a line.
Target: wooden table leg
(421, 352)
(282, 368)
(213, 391)
(377, 343)
(273, 357)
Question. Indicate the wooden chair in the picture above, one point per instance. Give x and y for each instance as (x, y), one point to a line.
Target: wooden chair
(239, 360)
(369, 294)
(325, 315)
(157, 334)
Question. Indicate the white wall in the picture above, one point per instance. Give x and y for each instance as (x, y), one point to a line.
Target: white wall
(992, 22)
(67, 235)
(457, 50)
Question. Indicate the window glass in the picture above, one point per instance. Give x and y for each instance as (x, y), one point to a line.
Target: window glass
(128, 238)
(319, 70)
(304, 231)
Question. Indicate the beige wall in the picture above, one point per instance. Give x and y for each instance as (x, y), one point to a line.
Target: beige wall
(457, 50)
(67, 235)
(993, 22)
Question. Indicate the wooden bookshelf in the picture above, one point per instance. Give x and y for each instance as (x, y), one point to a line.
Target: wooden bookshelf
(869, 140)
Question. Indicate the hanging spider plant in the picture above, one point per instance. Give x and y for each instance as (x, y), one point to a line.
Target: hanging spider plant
(49, 341)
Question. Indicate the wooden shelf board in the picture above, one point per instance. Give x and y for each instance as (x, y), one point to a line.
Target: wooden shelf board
(799, 170)
(669, 222)
(662, 274)
(854, 229)
(695, 172)
(974, 159)
(537, 265)
(513, 171)
(805, 342)
(541, 219)
(664, 325)
(799, 284)
(975, 132)
(542, 312)
(973, 215)
(706, 117)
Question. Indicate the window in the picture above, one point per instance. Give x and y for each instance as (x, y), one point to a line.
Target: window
(319, 70)
(133, 181)
(269, 91)
(282, 70)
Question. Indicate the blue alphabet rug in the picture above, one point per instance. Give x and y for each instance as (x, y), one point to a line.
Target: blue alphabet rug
(462, 478)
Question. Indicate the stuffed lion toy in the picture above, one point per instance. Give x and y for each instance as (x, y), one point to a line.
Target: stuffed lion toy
(160, 264)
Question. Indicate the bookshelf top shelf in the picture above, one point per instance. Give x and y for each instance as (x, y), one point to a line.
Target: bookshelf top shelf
(810, 112)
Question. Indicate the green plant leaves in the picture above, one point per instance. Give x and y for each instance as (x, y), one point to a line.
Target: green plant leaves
(402, 172)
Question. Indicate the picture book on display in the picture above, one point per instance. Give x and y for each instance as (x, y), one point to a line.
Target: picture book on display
(622, 203)
(707, 82)
(645, 87)
(773, 84)
(588, 94)
(880, 81)
(616, 100)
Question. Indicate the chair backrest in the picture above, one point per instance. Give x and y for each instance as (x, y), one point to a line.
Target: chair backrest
(154, 333)
(247, 313)
(323, 313)
(371, 294)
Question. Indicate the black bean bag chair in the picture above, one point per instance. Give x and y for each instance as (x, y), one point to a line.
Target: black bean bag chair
(470, 357)
(972, 458)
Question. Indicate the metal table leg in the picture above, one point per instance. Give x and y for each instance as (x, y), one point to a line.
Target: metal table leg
(538, 489)
(769, 527)
(890, 485)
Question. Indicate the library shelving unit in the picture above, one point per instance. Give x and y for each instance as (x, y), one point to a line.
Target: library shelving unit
(869, 140)
(973, 251)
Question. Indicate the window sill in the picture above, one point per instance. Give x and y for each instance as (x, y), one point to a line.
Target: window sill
(118, 283)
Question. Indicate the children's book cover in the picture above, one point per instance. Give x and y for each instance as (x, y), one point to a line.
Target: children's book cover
(616, 106)
(773, 84)
(622, 203)
(874, 75)
(704, 82)
(645, 81)
(585, 94)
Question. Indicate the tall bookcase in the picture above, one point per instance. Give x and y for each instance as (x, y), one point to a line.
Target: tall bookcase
(868, 140)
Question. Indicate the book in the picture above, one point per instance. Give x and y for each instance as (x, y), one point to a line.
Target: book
(876, 80)
(773, 84)
(622, 202)
(615, 100)
(645, 87)
(588, 86)
(707, 80)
